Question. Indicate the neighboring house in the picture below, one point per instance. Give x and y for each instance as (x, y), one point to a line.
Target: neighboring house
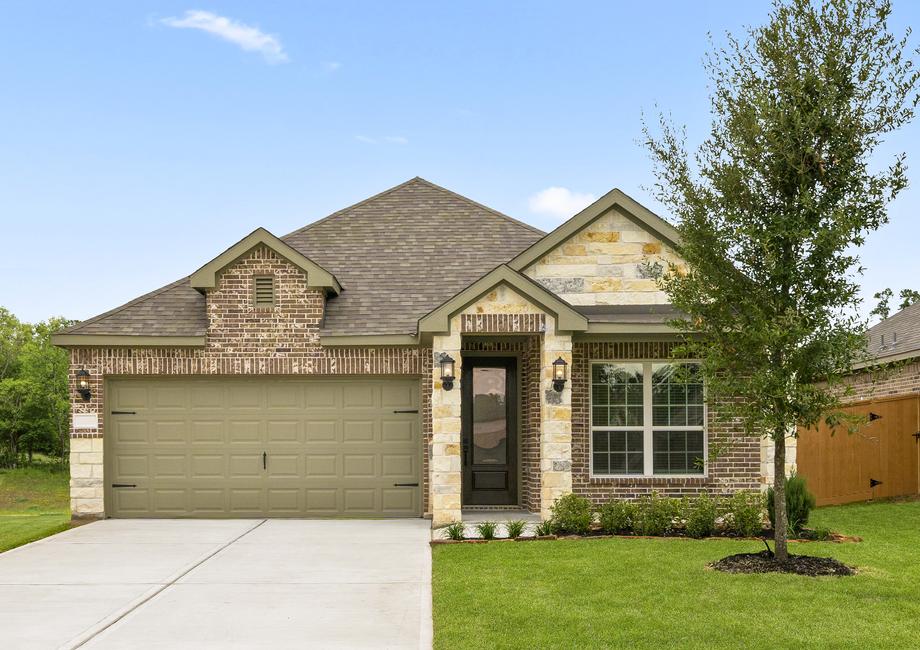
(882, 458)
(310, 375)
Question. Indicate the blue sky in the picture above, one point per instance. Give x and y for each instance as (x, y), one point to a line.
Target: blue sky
(138, 140)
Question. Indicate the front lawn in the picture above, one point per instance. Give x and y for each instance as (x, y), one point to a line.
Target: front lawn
(34, 503)
(658, 593)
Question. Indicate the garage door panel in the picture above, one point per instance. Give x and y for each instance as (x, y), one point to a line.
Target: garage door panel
(194, 447)
(320, 430)
(208, 466)
(166, 431)
(206, 431)
(399, 430)
(283, 430)
(167, 466)
(321, 466)
(245, 431)
(357, 431)
(130, 431)
(284, 466)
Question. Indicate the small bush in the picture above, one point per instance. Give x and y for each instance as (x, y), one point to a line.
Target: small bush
(823, 534)
(616, 517)
(745, 513)
(701, 516)
(515, 528)
(544, 528)
(486, 529)
(799, 504)
(655, 515)
(572, 514)
(455, 531)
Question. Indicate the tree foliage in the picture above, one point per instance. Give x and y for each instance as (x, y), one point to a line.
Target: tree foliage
(34, 404)
(883, 308)
(774, 204)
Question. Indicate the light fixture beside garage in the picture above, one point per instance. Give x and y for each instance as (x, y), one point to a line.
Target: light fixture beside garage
(447, 371)
(83, 384)
(559, 374)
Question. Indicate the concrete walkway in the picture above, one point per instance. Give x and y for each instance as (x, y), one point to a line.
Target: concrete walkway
(221, 584)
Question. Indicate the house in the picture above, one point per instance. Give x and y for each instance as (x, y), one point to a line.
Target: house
(882, 458)
(414, 354)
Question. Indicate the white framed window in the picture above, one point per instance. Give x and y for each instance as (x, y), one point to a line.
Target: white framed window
(648, 418)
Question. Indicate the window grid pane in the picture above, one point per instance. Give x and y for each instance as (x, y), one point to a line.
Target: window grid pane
(677, 418)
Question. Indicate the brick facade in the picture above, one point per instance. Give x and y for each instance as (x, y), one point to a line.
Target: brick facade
(737, 468)
(901, 379)
(241, 340)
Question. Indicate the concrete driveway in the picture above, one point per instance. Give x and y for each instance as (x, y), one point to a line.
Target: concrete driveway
(221, 584)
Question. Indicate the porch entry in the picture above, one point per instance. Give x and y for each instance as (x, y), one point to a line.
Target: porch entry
(490, 430)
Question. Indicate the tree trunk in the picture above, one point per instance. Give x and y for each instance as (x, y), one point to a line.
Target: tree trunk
(779, 496)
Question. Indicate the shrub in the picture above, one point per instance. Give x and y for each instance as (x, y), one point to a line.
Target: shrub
(654, 515)
(486, 529)
(544, 528)
(616, 517)
(455, 531)
(799, 503)
(515, 528)
(823, 534)
(745, 513)
(701, 516)
(572, 514)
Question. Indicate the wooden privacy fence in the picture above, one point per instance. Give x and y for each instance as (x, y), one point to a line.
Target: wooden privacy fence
(882, 459)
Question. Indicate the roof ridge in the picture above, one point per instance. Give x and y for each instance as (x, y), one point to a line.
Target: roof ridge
(350, 207)
(416, 179)
(73, 329)
(504, 216)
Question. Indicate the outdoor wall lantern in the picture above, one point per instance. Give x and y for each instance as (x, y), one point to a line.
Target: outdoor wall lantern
(83, 384)
(559, 374)
(447, 372)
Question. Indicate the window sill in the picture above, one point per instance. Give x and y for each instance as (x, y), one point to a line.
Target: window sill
(663, 479)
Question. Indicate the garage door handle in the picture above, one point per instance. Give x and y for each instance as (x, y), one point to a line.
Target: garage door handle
(405, 485)
(406, 411)
(264, 460)
(124, 412)
(120, 485)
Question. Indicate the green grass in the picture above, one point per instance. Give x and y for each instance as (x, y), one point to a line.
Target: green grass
(642, 593)
(34, 503)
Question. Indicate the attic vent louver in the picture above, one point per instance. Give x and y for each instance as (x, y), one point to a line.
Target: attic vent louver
(264, 291)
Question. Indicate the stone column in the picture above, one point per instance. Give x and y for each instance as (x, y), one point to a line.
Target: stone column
(86, 445)
(556, 420)
(767, 452)
(445, 434)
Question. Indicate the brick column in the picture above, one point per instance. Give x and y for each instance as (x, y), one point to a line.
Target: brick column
(86, 460)
(556, 419)
(445, 434)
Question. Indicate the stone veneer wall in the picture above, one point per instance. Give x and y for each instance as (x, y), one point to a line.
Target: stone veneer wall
(738, 468)
(517, 315)
(609, 262)
(241, 340)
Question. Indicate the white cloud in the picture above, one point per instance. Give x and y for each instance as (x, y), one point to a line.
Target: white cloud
(396, 139)
(365, 139)
(250, 39)
(559, 202)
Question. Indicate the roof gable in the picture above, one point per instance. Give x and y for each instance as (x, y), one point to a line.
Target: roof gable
(317, 276)
(438, 320)
(612, 200)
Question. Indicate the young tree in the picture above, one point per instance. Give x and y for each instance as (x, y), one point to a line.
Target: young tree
(883, 308)
(773, 204)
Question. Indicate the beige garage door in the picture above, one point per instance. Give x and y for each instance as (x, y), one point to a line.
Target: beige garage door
(263, 447)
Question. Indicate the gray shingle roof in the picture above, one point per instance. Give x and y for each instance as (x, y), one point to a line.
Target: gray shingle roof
(901, 334)
(398, 255)
(173, 310)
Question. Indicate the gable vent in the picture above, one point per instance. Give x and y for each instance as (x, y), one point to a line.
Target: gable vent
(264, 291)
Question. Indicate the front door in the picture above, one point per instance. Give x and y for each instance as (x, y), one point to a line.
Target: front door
(489, 434)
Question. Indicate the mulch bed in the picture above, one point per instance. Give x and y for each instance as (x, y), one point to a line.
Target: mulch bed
(763, 562)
